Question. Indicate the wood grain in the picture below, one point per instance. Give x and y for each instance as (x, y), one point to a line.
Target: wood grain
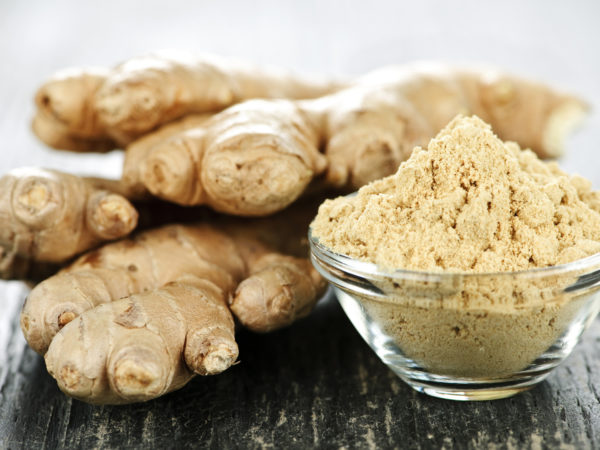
(316, 384)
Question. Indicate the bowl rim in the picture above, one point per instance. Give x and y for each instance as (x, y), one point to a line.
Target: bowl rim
(369, 270)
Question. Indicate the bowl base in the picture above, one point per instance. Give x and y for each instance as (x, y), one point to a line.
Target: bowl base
(471, 391)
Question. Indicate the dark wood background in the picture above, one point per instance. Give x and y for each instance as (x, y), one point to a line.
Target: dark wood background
(316, 384)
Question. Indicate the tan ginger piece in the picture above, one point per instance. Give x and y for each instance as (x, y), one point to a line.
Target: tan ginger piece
(50, 216)
(145, 345)
(64, 117)
(257, 157)
(244, 161)
(99, 109)
(137, 150)
(136, 292)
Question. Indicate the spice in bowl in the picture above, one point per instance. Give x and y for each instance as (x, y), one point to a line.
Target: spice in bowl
(480, 262)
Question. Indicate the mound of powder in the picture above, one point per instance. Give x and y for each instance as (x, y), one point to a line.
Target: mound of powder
(467, 203)
(470, 203)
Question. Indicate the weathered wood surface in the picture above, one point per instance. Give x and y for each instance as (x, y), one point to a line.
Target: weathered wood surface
(315, 384)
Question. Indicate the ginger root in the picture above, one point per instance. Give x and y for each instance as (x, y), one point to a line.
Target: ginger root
(145, 345)
(98, 109)
(259, 156)
(50, 216)
(161, 297)
(248, 160)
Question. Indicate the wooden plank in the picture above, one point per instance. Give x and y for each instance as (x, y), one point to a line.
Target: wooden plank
(314, 384)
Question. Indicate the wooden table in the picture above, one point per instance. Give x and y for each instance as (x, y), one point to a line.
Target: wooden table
(316, 384)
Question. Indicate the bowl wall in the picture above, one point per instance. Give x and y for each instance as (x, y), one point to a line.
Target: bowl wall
(467, 336)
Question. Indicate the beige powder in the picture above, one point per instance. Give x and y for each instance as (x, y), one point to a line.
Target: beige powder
(469, 203)
(474, 342)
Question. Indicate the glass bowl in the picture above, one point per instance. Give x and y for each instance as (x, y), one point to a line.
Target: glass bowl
(462, 336)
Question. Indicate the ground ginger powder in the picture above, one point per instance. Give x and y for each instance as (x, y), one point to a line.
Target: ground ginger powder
(469, 203)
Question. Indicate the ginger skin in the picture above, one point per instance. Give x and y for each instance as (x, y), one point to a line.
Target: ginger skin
(229, 162)
(138, 149)
(259, 156)
(50, 216)
(100, 109)
(153, 294)
(145, 345)
(64, 118)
